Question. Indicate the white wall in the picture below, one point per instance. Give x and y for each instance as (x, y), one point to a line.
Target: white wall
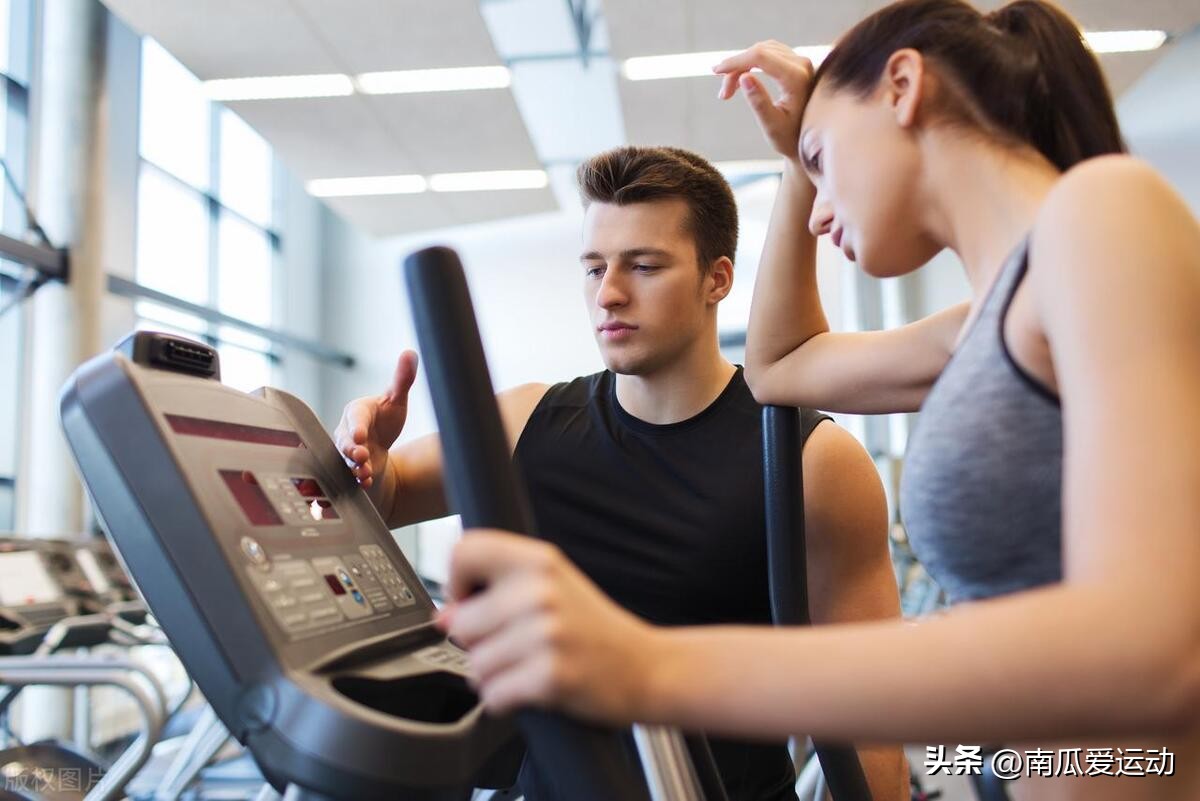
(298, 285)
(1160, 117)
(525, 285)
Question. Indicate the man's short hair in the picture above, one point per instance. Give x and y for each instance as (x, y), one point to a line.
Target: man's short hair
(634, 174)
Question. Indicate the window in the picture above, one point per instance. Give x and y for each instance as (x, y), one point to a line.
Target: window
(16, 34)
(205, 217)
(10, 381)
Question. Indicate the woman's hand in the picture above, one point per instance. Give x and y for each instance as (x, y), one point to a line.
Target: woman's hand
(780, 118)
(540, 633)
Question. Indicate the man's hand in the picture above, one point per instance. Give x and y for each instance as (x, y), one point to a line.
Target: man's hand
(540, 633)
(780, 118)
(370, 425)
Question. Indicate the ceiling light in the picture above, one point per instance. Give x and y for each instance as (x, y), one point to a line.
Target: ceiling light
(1124, 41)
(369, 185)
(690, 65)
(492, 180)
(279, 87)
(732, 169)
(452, 79)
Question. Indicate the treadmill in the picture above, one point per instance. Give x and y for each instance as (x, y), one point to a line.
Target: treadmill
(40, 585)
(285, 596)
(279, 587)
(48, 603)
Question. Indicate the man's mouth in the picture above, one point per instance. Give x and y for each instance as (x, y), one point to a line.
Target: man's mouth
(616, 330)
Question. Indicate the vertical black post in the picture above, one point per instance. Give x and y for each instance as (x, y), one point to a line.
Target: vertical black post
(783, 478)
(589, 763)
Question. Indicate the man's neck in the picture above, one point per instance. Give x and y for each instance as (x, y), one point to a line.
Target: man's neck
(678, 391)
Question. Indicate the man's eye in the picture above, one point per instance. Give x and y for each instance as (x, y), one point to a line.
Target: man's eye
(645, 268)
(593, 272)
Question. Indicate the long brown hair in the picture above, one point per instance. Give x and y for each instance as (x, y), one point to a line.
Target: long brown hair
(1022, 72)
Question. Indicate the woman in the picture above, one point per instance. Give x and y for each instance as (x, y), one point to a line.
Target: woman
(1051, 483)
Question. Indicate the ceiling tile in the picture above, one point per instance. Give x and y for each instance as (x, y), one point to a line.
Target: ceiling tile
(231, 38)
(458, 131)
(329, 137)
(399, 214)
(375, 35)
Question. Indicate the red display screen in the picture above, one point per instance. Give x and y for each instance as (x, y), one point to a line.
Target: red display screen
(251, 498)
(234, 432)
(309, 488)
(334, 584)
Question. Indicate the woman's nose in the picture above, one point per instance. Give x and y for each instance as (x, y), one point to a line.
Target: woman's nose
(821, 220)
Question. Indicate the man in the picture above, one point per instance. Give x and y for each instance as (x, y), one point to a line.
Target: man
(648, 475)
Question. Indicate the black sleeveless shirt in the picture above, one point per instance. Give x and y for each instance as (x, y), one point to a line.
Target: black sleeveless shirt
(668, 520)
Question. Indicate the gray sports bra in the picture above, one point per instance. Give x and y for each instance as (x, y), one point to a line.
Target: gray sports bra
(981, 491)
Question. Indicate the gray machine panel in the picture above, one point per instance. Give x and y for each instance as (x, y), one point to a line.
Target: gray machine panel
(303, 540)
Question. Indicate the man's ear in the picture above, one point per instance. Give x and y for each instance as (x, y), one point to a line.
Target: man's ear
(719, 281)
(903, 84)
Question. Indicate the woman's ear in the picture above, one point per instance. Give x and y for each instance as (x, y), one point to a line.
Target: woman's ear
(903, 85)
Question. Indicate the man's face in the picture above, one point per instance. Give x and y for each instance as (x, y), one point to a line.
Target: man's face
(643, 285)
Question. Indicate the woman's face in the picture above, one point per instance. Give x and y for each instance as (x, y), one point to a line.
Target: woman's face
(865, 162)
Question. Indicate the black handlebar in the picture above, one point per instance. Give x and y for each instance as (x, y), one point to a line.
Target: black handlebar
(591, 763)
(783, 477)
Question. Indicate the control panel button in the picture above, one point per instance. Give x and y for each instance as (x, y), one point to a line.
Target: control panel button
(346, 592)
(325, 614)
(253, 551)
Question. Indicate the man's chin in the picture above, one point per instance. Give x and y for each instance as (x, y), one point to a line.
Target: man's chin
(623, 363)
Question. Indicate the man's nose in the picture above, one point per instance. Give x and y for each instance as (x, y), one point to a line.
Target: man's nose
(612, 291)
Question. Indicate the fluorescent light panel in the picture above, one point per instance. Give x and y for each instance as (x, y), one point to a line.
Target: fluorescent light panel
(453, 79)
(492, 180)
(689, 65)
(1125, 41)
(368, 185)
(733, 169)
(279, 87)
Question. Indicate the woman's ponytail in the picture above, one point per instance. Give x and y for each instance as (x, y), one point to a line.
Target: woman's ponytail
(1069, 112)
(1022, 72)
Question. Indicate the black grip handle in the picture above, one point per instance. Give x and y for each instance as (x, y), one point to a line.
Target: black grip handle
(588, 762)
(783, 479)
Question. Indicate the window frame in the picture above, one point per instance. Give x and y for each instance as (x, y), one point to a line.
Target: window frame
(215, 208)
(15, 88)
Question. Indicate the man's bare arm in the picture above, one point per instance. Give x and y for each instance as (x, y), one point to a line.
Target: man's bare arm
(415, 490)
(850, 574)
